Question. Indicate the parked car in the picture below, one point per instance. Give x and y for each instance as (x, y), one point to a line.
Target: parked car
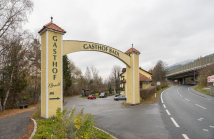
(117, 95)
(103, 95)
(122, 97)
(91, 96)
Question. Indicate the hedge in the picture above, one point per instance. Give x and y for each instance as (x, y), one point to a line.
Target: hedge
(145, 93)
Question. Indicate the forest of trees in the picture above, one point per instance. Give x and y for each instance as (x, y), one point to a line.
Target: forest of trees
(20, 62)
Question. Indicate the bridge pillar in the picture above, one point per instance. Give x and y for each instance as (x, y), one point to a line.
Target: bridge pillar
(183, 80)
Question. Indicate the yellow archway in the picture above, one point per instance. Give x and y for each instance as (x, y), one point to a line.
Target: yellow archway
(52, 50)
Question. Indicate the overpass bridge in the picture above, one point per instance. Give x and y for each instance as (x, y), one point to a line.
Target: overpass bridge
(189, 70)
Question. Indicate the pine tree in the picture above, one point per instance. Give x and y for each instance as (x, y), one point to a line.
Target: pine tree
(67, 81)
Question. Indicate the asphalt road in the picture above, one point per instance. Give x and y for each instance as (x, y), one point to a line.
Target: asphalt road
(184, 114)
(187, 113)
(123, 122)
(15, 126)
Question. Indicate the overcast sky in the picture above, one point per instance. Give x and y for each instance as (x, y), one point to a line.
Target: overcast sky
(167, 30)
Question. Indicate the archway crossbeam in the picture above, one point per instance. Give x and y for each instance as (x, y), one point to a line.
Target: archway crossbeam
(70, 46)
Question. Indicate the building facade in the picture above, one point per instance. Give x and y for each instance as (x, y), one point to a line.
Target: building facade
(145, 79)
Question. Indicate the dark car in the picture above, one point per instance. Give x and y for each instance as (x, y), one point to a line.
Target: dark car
(91, 96)
(103, 95)
(122, 97)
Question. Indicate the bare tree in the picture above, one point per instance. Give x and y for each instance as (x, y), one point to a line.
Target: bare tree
(88, 77)
(114, 78)
(12, 15)
(34, 57)
(159, 72)
(95, 73)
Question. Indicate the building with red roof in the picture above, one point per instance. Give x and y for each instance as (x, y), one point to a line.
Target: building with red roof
(145, 79)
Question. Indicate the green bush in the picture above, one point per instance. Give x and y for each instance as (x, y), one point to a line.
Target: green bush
(67, 125)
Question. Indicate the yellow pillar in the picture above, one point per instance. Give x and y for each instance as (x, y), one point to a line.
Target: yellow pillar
(51, 69)
(132, 82)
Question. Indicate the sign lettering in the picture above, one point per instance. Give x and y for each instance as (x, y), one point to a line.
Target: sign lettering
(101, 48)
(54, 70)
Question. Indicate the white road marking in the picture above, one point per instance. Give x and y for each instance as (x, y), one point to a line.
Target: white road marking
(181, 95)
(200, 119)
(185, 136)
(72, 108)
(174, 122)
(189, 90)
(161, 97)
(177, 89)
(168, 112)
(212, 126)
(206, 130)
(187, 99)
(164, 106)
(200, 106)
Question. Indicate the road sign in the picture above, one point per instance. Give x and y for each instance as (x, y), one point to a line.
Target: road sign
(210, 78)
(176, 81)
(158, 83)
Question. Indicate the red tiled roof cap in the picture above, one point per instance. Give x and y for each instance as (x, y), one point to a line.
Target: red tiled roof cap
(53, 27)
(144, 78)
(132, 50)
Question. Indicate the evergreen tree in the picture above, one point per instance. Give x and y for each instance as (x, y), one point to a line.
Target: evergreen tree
(110, 90)
(67, 82)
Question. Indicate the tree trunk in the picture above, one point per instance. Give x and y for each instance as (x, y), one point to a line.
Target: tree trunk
(0, 105)
(8, 91)
(5, 100)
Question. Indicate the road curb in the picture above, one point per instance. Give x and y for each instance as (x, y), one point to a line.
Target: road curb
(105, 132)
(198, 94)
(35, 127)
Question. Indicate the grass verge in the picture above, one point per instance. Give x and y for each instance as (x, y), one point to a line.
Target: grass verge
(200, 89)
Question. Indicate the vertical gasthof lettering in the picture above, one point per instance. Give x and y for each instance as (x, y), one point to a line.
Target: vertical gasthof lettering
(54, 70)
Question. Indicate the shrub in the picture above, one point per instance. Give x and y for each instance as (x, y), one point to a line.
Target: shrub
(145, 93)
(203, 73)
(68, 125)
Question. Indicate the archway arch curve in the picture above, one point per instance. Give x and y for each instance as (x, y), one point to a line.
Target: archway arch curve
(70, 46)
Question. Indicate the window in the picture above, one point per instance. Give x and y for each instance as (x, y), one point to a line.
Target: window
(141, 85)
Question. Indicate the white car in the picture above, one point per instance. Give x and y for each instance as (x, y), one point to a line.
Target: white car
(122, 97)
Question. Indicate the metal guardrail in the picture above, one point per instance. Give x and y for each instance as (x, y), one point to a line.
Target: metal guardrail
(199, 63)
